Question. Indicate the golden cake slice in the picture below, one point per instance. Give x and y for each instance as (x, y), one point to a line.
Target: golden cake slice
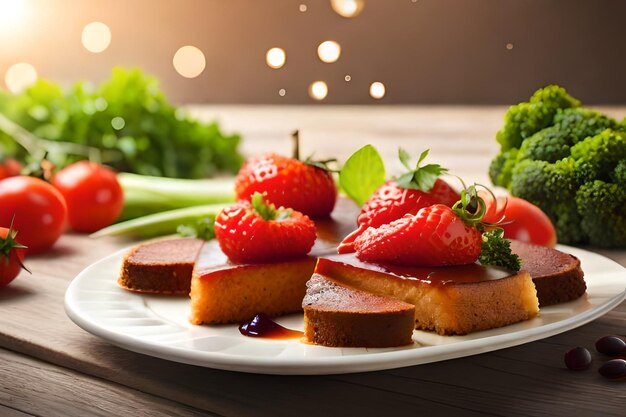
(448, 300)
(226, 292)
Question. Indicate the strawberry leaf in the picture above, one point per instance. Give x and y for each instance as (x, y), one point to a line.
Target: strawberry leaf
(405, 180)
(423, 156)
(404, 158)
(321, 164)
(424, 178)
(268, 211)
(420, 178)
(362, 174)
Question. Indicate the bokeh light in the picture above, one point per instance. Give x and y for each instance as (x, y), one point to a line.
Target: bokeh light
(275, 58)
(118, 123)
(12, 13)
(318, 90)
(96, 37)
(509, 46)
(348, 78)
(19, 77)
(189, 61)
(329, 51)
(282, 92)
(347, 8)
(377, 90)
(303, 8)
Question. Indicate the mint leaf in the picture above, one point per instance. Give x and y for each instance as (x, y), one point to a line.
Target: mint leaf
(362, 174)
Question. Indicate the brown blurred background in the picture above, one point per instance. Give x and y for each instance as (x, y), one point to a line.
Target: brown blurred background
(423, 51)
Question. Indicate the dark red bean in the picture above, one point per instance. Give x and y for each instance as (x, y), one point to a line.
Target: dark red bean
(614, 369)
(611, 345)
(577, 359)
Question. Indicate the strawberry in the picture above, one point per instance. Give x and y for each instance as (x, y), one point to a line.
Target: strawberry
(435, 236)
(409, 193)
(439, 235)
(306, 186)
(255, 231)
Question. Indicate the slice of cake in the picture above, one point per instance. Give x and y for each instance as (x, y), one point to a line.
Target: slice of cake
(223, 291)
(337, 315)
(227, 292)
(558, 276)
(448, 300)
(160, 267)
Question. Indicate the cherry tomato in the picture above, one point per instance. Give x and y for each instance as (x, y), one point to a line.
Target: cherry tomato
(523, 220)
(11, 256)
(94, 196)
(38, 210)
(10, 168)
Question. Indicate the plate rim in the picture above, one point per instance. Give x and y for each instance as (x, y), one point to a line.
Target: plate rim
(326, 365)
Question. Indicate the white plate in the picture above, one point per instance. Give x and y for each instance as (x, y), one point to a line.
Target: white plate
(158, 326)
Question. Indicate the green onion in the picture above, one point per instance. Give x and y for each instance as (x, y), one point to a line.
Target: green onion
(163, 223)
(145, 195)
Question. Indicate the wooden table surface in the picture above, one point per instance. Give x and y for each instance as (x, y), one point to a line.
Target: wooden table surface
(51, 367)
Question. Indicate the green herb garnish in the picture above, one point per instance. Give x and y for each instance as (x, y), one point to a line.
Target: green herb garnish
(496, 251)
(202, 229)
(362, 174)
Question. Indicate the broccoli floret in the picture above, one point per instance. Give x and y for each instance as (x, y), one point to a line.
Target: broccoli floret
(619, 173)
(554, 154)
(561, 188)
(549, 144)
(525, 119)
(581, 123)
(570, 127)
(602, 208)
(552, 187)
(501, 168)
(567, 222)
(597, 157)
(545, 184)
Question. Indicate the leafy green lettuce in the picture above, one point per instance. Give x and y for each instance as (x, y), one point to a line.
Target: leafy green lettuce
(129, 114)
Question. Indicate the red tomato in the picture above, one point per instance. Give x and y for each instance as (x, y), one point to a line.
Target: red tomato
(523, 220)
(38, 208)
(11, 257)
(94, 196)
(10, 168)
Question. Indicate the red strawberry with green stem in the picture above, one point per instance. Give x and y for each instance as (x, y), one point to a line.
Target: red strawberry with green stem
(438, 236)
(288, 182)
(420, 187)
(256, 231)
